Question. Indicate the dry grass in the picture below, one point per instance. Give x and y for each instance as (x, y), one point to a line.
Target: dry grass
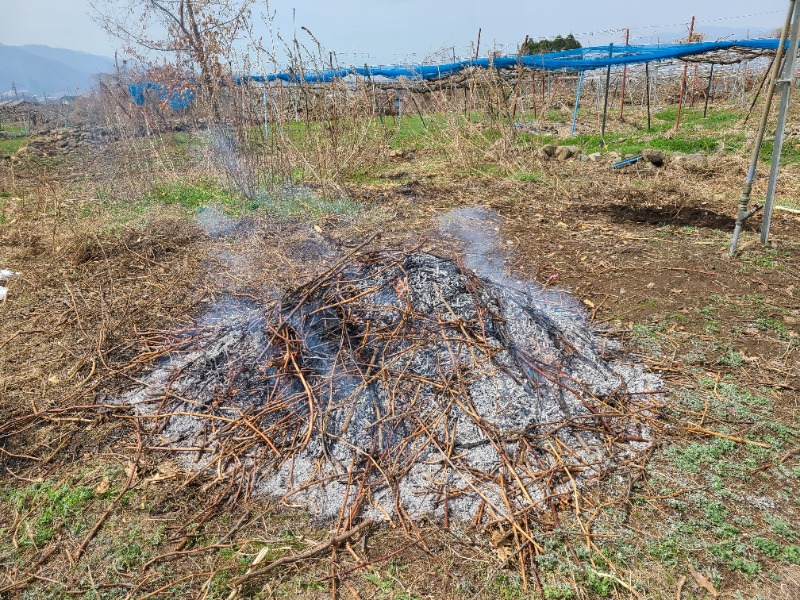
(113, 262)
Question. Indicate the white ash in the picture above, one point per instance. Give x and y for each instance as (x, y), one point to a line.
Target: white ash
(408, 387)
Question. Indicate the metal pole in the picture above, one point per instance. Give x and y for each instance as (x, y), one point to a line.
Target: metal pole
(744, 200)
(654, 84)
(708, 91)
(624, 75)
(472, 85)
(577, 103)
(605, 102)
(399, 106)
(783, 113)
(744, 85)
(683, 81)
(647, 86)
(266, 118)
(517, 88)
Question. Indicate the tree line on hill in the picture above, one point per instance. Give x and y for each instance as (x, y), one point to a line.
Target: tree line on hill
(557, 44)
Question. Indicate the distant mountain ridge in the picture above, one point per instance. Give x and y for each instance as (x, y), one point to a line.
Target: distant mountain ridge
(38, 71)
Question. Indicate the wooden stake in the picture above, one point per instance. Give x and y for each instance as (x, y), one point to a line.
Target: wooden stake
(683, 81)
(624, 76)
(708, 91)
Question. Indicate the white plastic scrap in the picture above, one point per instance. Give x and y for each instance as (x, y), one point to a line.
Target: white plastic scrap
(5, 275)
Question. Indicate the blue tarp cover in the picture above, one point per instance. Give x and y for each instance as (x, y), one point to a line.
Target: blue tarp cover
(582, 59)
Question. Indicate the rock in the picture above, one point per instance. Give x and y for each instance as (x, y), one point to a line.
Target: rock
(595, 156)
(654, 157)
(567, 152)
(547, 151)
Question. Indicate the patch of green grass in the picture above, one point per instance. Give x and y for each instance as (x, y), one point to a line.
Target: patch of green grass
(716, 513)
(488, 169)
(307, 206)
(389, 585)
(671, 548)
(559, 591)
(136, 546)
(734, 554)
(507, 586)
(739, 400)
(716, 120)
(599, 585)
(190, 195)
(50, 508)
(592, 143)
(786, 434)
(772, 324)
(370, 176)
(782, 528)
(186, 197)
(790, 153)
(707, 310)
(791, 554)
(186, 140)
(412, 133)
(700, 456)
(731, 358)
(769, 548)
(686, 145)
(726, 532)
(790, 203)
(12, 145)
(526, 176)
(647, 331)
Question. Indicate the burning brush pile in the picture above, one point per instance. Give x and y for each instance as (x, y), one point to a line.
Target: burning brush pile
(403, 385)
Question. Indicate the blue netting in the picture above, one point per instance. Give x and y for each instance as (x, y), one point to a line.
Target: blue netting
(582, 59)
(178, 100)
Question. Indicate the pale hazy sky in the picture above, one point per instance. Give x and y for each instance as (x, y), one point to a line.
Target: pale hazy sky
(401, 30)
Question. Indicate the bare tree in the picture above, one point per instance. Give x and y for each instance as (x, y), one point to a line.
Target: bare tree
(198, 35)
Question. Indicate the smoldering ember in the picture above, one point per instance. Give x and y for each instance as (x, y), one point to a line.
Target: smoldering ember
(400, 385)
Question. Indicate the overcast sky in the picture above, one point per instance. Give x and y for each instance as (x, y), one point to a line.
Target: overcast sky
(362, 31)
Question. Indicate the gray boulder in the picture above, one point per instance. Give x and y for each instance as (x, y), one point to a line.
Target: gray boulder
(567, 152)
(654, 157)
(547, 151)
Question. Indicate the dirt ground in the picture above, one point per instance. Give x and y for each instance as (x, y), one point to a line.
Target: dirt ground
(92, 508)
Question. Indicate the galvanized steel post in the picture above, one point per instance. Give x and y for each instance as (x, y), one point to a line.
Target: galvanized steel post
(744, 200)
(783, 113)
